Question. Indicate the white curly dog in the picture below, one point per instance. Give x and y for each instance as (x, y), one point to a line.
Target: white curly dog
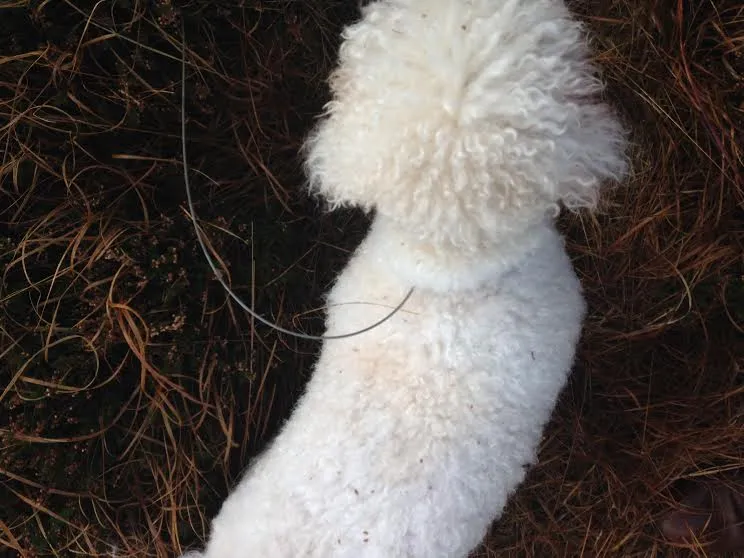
(462, 124)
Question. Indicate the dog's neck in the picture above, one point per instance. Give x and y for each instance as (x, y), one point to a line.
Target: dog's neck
(426, 265)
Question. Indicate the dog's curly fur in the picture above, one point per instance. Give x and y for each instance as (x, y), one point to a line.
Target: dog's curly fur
(452, 116)
(463, 123)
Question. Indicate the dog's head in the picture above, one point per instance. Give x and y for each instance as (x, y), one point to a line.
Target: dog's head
(456, 117)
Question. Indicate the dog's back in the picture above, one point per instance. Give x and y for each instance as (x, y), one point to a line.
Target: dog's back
(411, 437)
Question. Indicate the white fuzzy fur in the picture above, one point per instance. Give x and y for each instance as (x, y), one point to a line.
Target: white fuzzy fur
(463, 123)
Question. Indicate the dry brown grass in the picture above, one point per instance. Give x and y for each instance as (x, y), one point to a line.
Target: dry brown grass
(132, 391)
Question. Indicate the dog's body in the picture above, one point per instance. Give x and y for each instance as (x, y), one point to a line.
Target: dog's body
(411, 437)
(463, 123)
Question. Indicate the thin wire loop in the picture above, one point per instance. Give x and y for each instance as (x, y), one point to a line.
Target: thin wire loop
(210, 261)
